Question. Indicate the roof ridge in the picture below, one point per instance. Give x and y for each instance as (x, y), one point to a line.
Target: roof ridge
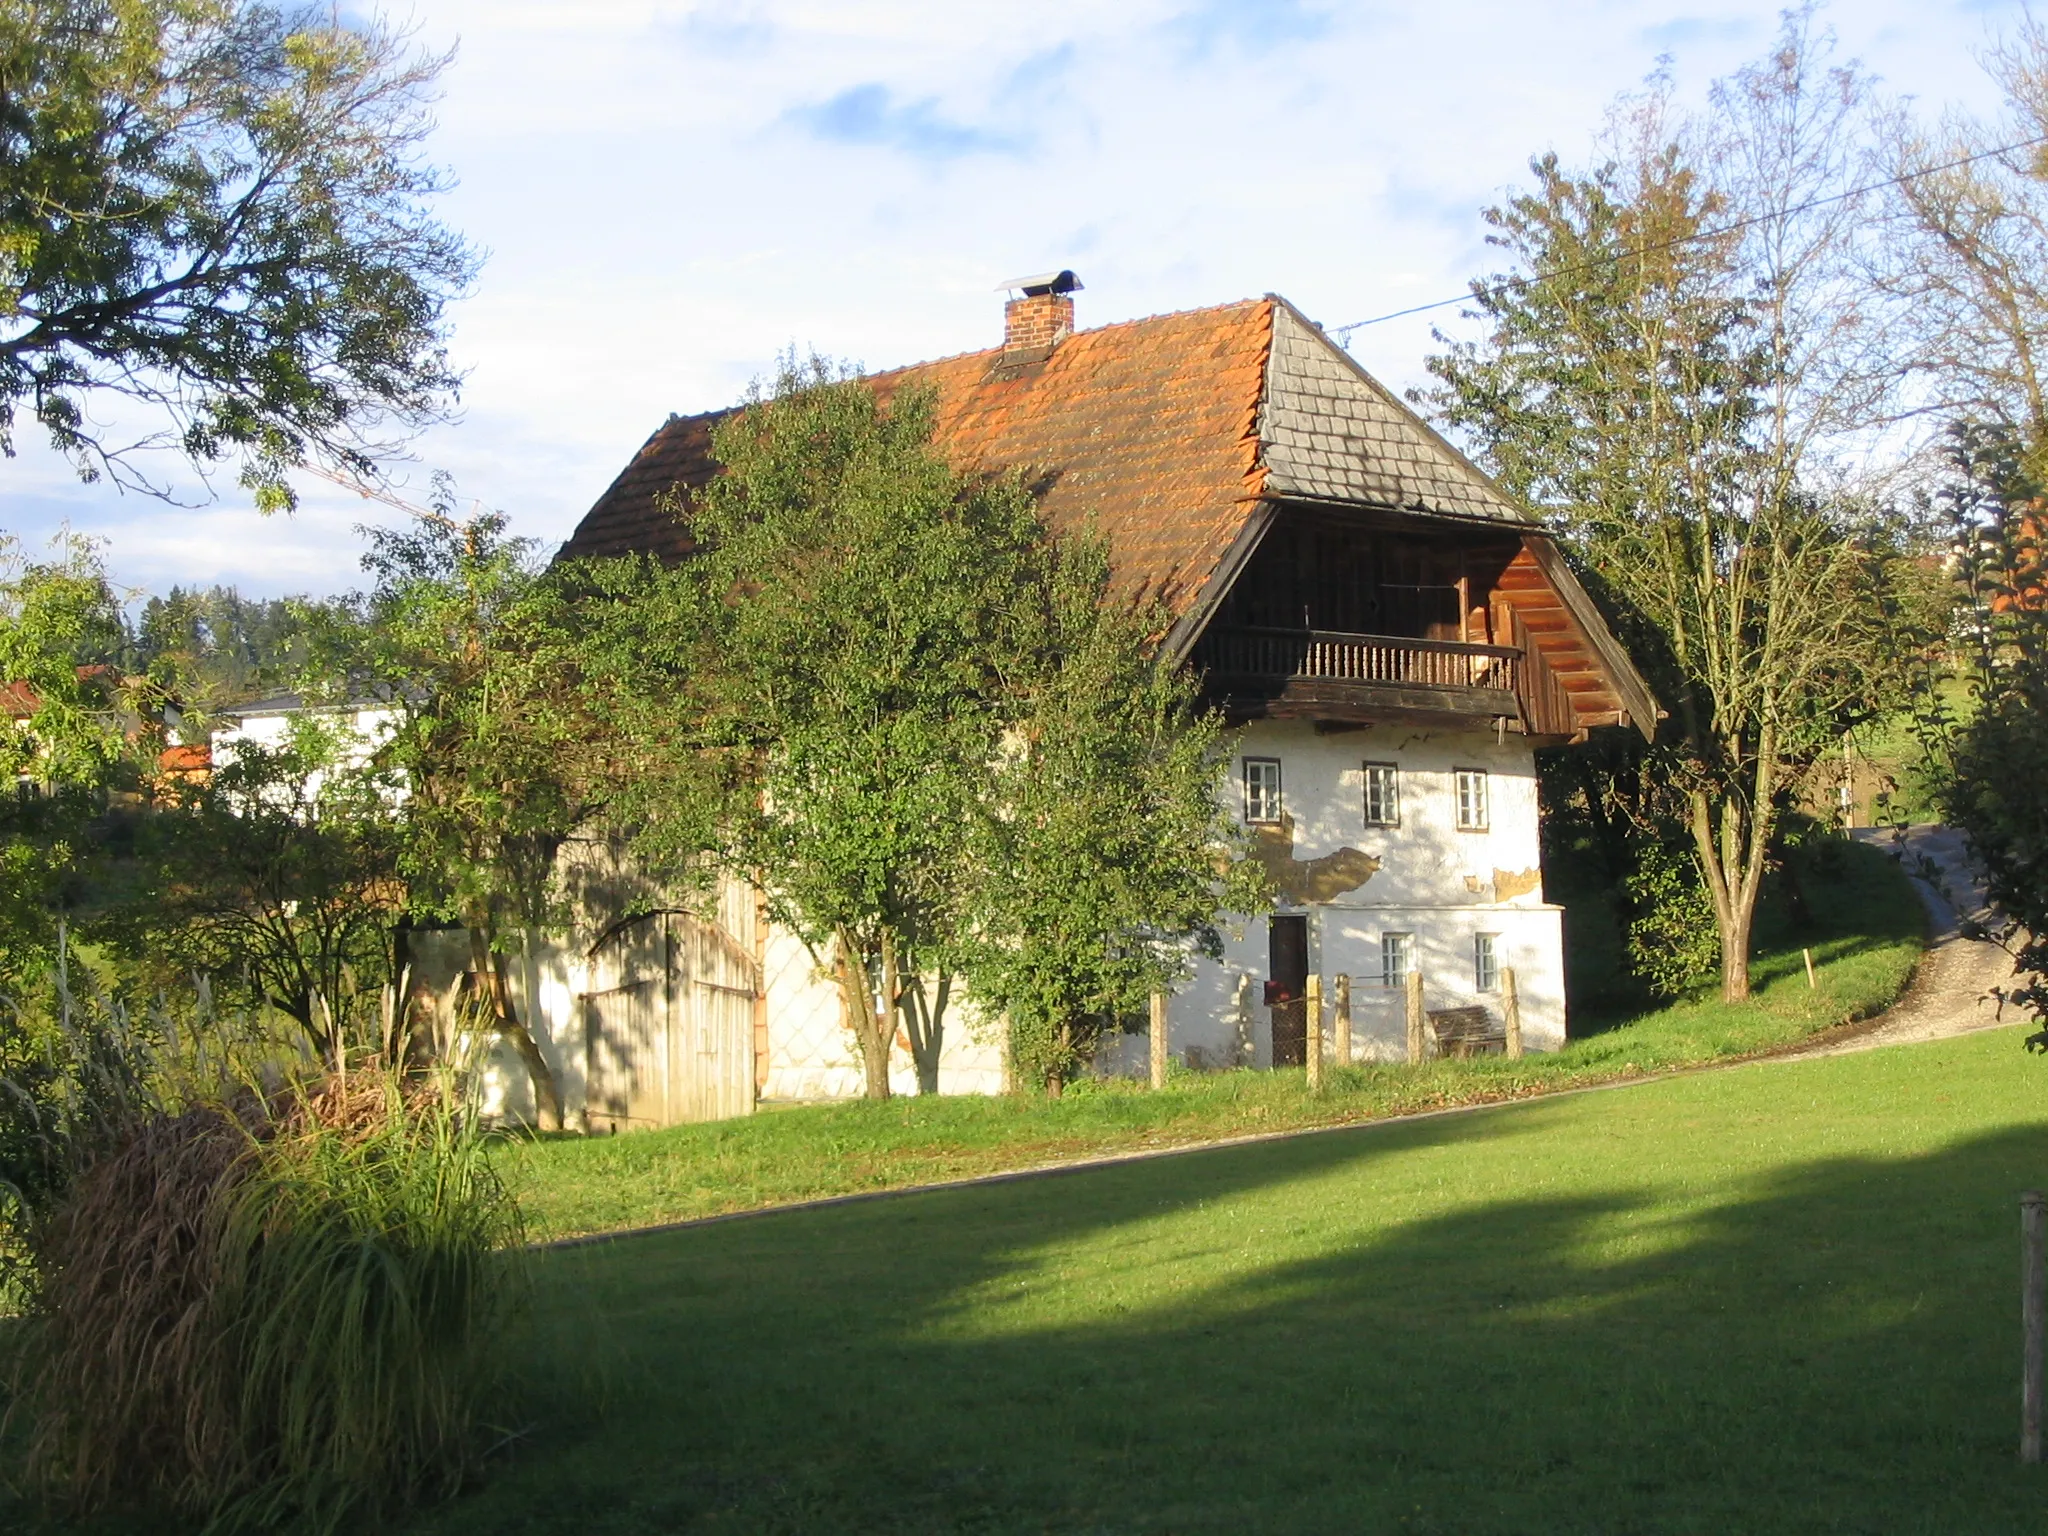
(1093, 330)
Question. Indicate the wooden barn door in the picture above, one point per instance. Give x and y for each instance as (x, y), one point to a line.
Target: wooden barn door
(669, 1025)
(714, 1063)
(626, 1028)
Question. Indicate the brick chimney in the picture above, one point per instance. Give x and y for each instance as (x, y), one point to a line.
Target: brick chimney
(1040, 318)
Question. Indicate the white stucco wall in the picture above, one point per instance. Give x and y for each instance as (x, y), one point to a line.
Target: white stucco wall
(362, 729)
(1438, 883)
(811, 1052)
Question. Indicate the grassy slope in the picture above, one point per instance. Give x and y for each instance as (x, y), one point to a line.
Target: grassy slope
(1773, 1299)
(570, 1186)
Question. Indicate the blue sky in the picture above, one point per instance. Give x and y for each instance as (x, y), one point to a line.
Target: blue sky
(670, 194)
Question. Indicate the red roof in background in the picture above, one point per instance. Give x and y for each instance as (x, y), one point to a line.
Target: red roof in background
(20, 700)
(194, 758)
(1150, 428)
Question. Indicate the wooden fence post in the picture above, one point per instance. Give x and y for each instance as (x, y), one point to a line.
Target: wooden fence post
(1415, 1020)
(1511, 1011)
(1340, 1009)
(2033, 1316)
(1312, 1042)
(1158, 1039)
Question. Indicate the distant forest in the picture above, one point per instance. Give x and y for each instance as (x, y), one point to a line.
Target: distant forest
(216, 648)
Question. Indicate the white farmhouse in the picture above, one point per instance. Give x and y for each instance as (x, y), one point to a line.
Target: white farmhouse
(1391, 636)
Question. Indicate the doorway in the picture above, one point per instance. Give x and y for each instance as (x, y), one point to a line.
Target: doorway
(1286, 992)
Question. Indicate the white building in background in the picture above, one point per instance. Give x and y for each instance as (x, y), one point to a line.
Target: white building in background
(1389, 635)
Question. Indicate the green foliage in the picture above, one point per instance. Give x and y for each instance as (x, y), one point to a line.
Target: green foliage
(215, 208)
(213, 647)
(858, 609)
(1673, 941)
(79, 728)
(931, 729)
(1986, 764)
(470, 647)
(1098, 873)
(278, 879)
(495, 685)
(61, 640)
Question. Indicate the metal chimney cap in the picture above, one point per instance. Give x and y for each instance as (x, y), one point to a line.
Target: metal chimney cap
(1062, 281)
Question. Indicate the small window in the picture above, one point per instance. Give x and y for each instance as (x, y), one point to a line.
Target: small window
(1261, 790)
(1382, 795)
(1397, 958)
(1486, 962)
(1471, 799)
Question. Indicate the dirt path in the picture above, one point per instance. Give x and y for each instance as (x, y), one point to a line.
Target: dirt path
(1951, 992)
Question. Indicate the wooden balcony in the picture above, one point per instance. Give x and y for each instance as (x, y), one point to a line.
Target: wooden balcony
(1324, 675)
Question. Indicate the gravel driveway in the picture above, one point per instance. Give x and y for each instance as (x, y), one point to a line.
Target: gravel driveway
(1952, 990)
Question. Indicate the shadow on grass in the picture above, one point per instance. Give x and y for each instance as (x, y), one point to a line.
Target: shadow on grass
(1255, 1339)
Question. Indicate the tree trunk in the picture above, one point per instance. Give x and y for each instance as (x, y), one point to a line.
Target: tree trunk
(1733, 866)
(924, 1020)
(870, 1032)
(489, 967)
(1063, 1045)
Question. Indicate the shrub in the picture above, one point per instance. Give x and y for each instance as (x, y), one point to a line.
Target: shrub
(267, 1310)
(1674, 943)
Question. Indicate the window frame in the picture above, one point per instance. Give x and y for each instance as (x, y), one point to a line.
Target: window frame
(1486, 963)
(1460, 777)
(1396, 944)
(1279, 799)
(1393, 785)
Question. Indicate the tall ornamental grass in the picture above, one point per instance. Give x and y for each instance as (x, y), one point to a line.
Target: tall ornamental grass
(267, 1308)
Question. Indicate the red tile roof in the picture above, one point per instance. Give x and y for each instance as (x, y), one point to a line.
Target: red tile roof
(192, 758)
(20, 699)
(1149, 428)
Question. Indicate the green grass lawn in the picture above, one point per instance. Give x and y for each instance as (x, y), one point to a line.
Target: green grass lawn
(1864, 954)
(1778, 1298)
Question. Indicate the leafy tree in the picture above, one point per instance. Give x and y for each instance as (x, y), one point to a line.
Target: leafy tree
(841, 690)
(930, 732)
(1985, 765)
(215, 209)
(483, 660)
(1108, 854)
(214, 648)
(1665, 365)
(278, 878)
(61, 637)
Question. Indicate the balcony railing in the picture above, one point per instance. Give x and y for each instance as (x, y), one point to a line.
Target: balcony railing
(1278, 656)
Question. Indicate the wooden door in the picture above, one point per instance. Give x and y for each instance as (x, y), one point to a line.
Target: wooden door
(626, 1029)
(669, 1024)
(715, 986)
(1286, 992)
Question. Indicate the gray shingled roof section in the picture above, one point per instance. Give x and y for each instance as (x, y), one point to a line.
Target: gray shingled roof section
(1331, 431)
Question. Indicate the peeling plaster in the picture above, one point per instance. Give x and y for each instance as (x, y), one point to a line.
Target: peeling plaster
(1320, 879)
(1506, 884)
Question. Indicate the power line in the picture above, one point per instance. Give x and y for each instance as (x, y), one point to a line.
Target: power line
(1515, 284)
